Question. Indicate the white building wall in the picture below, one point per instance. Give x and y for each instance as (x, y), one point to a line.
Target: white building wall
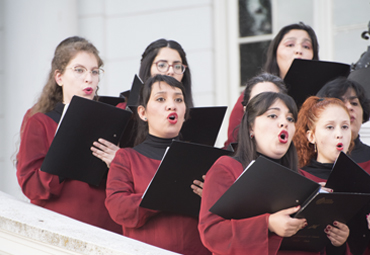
(32, 29)
(349, 21)
(123, 29)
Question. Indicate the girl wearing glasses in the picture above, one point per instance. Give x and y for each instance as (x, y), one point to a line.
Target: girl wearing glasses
(167, 57)
(162, 108)
(75, 70)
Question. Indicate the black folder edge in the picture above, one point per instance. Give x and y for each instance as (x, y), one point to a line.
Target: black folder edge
(125, 94)
(182, 200)
(136, 86)
(132, 99)
(306, 77)
(111, 100)
(208, 118)
(129, 134)
(348, 176)
(50, 166)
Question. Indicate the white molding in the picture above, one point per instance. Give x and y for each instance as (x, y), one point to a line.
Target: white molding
(234, 54)
(274, 18)
(221, 60)
(29, 229)
(252, 39)
(14, 244)
(365, 133)
(323, 26)
(226, 56)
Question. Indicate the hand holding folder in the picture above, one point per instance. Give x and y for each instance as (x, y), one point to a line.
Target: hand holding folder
(268, 187)
(84, 122)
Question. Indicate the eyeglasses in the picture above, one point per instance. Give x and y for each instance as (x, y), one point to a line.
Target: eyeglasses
(163, 67)
(81, 72)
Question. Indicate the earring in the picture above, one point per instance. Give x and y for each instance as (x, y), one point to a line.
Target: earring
(314, 145)
(251, 136)
(145, 118)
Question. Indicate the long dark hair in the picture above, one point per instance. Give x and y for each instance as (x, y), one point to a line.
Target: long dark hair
(258, 105)
(338, 88)
(145, 93)
(150, 54)
(271, 65)
(260, 78)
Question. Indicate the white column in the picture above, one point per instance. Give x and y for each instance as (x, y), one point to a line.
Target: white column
(323, 25)
(32, 31)
(2, 89)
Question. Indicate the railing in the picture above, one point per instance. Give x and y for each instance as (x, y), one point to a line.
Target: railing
(27, 229)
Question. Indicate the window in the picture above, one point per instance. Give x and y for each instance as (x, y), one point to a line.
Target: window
(255, 35)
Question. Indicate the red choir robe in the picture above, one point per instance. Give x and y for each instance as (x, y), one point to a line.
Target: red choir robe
(72, 198)
(248, 236)
(129, 175)
(122, 105)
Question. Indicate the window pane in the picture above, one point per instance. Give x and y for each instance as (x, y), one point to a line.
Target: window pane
(254, 17)
(252, 58)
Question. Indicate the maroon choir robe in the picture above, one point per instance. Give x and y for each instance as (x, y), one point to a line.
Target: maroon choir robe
(129, 175)
(248, 236)
(72, 198)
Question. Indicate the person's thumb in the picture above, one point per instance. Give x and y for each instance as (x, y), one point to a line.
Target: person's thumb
(291, 210)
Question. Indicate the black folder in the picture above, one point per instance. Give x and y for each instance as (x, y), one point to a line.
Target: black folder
(323, 210)
(134, 94)
(125, 94)
(306, 77)
(348, 176)
(132, 97)
(84, 122)
(264, 187)
(267, 187)
(170, 189)
(111, 100)
(203, 124)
